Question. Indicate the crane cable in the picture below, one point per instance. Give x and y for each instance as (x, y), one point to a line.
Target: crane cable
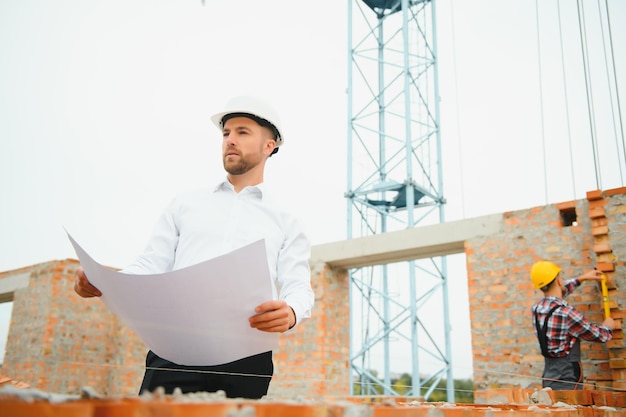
(617, 100)
(543, 138)
(590, 109)
(620, 147)
(566, 102)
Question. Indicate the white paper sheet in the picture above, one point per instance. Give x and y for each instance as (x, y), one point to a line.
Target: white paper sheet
(197, 315)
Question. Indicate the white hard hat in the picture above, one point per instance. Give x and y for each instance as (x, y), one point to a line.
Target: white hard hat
(261, 111)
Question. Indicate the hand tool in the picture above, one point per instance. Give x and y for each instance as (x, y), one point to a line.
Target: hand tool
(605, 297)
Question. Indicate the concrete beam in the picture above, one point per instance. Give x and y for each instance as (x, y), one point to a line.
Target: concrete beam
(9, 284)
(405, 245)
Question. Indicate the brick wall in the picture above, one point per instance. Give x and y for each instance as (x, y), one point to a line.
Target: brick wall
(608, 219)
(313, 361)
(59, 342)
(504, 346)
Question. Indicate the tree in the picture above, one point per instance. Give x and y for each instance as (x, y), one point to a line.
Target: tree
(463, 388)
(463, 391)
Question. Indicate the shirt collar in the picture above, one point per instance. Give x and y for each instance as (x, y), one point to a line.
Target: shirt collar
(250, 190)
(548, 299)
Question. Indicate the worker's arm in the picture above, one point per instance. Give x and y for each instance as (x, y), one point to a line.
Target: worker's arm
(582, 328)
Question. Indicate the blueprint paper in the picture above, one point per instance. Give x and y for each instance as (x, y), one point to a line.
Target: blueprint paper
(196, 315)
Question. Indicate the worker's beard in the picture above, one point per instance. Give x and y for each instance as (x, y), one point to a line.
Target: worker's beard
(242, 164)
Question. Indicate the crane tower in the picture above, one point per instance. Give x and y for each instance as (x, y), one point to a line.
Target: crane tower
(399, 312)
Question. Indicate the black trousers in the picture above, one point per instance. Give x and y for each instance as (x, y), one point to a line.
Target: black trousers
(245, 378)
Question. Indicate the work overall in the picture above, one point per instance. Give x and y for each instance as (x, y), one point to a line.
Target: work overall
(559, 373)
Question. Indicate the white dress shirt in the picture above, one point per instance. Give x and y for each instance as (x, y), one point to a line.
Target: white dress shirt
(200, 225)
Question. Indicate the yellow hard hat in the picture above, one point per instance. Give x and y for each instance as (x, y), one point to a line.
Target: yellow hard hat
(543, 272)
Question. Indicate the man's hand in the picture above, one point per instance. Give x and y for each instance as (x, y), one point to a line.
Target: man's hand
(593, 275)
(609, 322)
(273, 316)
(83, 287)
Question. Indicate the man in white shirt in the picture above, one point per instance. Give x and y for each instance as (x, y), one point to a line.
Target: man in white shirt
(203, 224)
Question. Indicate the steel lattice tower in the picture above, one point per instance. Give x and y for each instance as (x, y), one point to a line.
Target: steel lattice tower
(399, 312)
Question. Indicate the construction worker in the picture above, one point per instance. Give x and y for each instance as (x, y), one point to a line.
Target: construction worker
(560, 327)
(202, 224)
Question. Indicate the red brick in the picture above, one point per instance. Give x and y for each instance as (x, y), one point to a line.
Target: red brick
(617, 363)
(578, 397)
(605, 266)
(615, 191)
(619, 386)
(566, 205)
(596, 212)
(600, 230)
(602, 248)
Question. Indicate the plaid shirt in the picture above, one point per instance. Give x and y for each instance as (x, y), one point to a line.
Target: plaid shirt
(567, 325)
